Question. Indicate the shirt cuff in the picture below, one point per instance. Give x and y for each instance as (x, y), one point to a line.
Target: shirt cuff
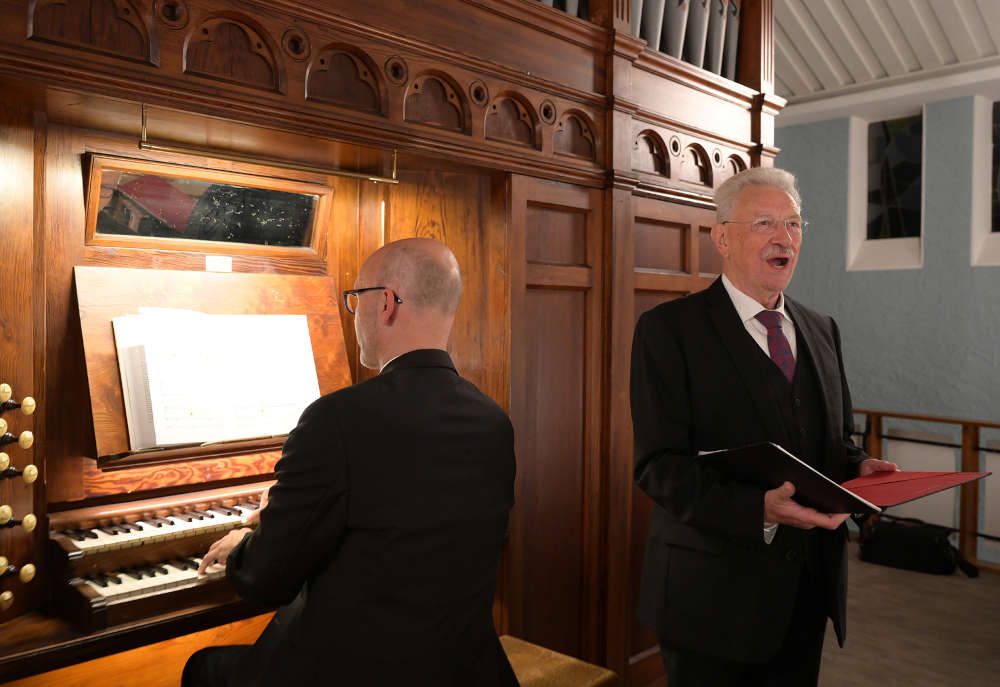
(770, 529)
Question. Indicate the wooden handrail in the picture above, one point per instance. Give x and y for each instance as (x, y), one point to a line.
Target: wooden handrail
(929, 418)
(969, 494)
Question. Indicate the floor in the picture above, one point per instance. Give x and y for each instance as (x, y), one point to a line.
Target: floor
(913, 629)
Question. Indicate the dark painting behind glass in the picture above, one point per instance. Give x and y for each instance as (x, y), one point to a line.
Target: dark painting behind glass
(168, 207)
(894, 177)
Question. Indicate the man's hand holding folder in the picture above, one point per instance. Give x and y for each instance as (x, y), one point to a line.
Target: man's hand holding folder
(781, 507)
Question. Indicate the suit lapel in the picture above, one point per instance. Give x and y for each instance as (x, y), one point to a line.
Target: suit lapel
(745, 354)
(824, 364)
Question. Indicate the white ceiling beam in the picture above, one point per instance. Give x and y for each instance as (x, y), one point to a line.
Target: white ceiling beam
(811, 44)
(883, 36)
(989, 11)
(955, 21)
(922, 32)
(897, 96)
(791, 65)
(845, 36)
(780, 87)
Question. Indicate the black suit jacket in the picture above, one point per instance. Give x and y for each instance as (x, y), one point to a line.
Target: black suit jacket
(709, 581)
(385, 528)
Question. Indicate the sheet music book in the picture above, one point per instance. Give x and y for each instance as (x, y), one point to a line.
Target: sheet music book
(768, 465)
(190, 377)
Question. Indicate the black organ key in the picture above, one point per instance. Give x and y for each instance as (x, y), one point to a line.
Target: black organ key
(225, 510)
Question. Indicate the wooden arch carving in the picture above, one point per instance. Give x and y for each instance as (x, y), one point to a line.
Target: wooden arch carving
(575, 136)
(345, 76)
(732, 166)
(434, 98)
(695, 166)
(112, 27)
(511, 119)
(234, 48)
(649, 154)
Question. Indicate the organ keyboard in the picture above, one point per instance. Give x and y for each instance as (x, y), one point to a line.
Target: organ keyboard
(138, 559)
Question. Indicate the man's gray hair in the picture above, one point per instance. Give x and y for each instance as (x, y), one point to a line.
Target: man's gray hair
(725, 195)
(424, 280)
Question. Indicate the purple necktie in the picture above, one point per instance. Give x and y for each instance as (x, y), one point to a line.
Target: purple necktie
(777, 344)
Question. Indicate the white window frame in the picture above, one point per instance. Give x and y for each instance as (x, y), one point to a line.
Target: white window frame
(985, 245)
(879, 254)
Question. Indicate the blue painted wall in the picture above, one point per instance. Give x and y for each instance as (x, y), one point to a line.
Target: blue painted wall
(916, 340)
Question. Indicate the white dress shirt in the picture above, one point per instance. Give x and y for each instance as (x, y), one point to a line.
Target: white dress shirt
(747, 308)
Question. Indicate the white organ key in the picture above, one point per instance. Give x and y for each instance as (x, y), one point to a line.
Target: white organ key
(166, 577)
(170, 527)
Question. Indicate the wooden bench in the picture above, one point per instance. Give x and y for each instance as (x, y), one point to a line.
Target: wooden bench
(536, 666)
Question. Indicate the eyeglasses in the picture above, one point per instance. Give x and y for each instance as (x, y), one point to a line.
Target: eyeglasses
(767, 225)
(351, 297)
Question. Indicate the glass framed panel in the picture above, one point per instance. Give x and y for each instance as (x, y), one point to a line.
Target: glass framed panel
(895, 178)
(170, 206)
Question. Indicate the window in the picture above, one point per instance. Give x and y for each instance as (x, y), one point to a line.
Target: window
(885, 193)
(995, 195)
(985, 246)
(894, 178)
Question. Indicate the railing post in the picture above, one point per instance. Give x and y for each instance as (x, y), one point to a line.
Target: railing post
(969, 495)
(874, 444)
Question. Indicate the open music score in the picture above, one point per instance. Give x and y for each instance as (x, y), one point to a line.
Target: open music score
(194, 378)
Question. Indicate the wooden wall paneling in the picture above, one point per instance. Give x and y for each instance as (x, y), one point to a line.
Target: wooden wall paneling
(555, 593)
(17, 337)
(464, 211)
(69, 441)
(618, 279)
(344, 250)
(658, 252)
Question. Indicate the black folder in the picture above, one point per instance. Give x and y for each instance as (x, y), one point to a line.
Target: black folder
(768, 465)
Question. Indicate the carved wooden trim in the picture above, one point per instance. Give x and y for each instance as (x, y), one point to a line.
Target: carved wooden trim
(173, 13)
(343, 75)
(649, 153)
(234, 48)
(574, 136)
(296, 44)
(511, 119)
(127, 32)
(695, 166)
(434, 99)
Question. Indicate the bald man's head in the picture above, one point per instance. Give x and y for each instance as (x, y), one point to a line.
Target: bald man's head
(423, 271)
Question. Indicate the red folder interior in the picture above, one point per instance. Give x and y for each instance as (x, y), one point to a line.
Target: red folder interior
(893, 488)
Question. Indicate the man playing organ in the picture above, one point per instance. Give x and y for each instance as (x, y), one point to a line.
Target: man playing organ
(381, 537)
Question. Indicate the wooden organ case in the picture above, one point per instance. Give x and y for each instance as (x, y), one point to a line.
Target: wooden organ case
(568, 166)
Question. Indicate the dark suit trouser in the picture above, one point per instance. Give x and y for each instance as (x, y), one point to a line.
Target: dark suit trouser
(795, 665)
(216, 666)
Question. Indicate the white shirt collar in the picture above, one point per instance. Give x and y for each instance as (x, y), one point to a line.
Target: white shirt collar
(387, 362)
(747, 307)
